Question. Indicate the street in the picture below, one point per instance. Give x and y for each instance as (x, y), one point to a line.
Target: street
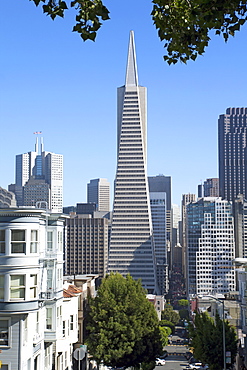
(175, 359)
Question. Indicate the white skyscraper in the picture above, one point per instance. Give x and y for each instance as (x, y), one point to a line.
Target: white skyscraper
(98, 192)
(214, 259)
(131, 244)
(39, 177)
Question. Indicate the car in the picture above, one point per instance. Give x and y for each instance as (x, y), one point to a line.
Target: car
(195, 366)
(160, 362)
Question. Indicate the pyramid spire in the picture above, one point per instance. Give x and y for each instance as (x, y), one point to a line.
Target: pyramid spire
(131, 71)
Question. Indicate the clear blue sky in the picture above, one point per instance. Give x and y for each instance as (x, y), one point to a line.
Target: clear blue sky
(52, 81)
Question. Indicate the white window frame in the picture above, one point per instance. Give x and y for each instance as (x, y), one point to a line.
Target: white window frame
(18, 243)
(3, 332)
(21, 288)
(34, 241)
(2, 241)
(33, 286)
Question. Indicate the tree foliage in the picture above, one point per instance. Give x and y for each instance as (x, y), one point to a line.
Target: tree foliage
(184, 25)
(89, 17)
(170, 315)
(123, 325)
(207, 340)
(183, 302)
(165, 332)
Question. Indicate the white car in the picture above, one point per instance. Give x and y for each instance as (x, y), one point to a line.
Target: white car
(160, 362)
(195, 366)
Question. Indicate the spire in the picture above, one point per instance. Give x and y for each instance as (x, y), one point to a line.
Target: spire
(131, 71)
(36, 145)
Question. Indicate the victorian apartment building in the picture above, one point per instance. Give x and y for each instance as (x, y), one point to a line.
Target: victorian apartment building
(37, 328)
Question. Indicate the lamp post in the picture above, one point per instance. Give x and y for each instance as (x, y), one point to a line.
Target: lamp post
(223, 326)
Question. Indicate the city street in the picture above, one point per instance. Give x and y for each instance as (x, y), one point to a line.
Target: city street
(174, 362)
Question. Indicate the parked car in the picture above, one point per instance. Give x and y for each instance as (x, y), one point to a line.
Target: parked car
(195, 366)
(160, 362)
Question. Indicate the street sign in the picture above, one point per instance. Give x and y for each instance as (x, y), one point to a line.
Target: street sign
(79, 353)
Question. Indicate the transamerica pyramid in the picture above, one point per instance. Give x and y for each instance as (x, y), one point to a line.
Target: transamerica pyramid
(131, 244)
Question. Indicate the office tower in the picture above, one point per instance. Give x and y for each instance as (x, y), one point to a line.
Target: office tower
(200, 191)
(31, 291)
(131, 245)
(186, 199)
(7, 198)
(240, 226)
(194, 220)
(39, 178)
(176, 218)
(87, 245)
(209, 229)
(232, 129)
(216, 251)
(98, 192)
(211, 188)
(161, 183)
(158, 211)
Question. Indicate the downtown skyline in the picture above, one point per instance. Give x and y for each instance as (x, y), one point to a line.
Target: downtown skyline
(44, 88)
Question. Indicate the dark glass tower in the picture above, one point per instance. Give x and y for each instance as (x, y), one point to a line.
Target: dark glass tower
(232, 136)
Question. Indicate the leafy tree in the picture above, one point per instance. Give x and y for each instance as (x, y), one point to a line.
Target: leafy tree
(169, 314)
(184, 25)
(207, 340)
(123, 325)
(89, 15)
(167, 324)
(164, 335)
(183, 302)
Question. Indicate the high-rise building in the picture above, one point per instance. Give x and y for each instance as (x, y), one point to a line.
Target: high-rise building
(39, 178)
(86, 249)
(240, 226)
(98, 192)
(194, 220)
(158, 211)
(211, 187)
(161, 183)
(216, 251)
(232, 139)
(210, 247)
(186, 199)
(131, 245)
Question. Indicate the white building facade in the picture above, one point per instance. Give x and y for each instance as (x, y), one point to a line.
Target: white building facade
(214, 258)
(31, 291)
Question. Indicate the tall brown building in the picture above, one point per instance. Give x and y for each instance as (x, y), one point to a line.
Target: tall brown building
(86, 250)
